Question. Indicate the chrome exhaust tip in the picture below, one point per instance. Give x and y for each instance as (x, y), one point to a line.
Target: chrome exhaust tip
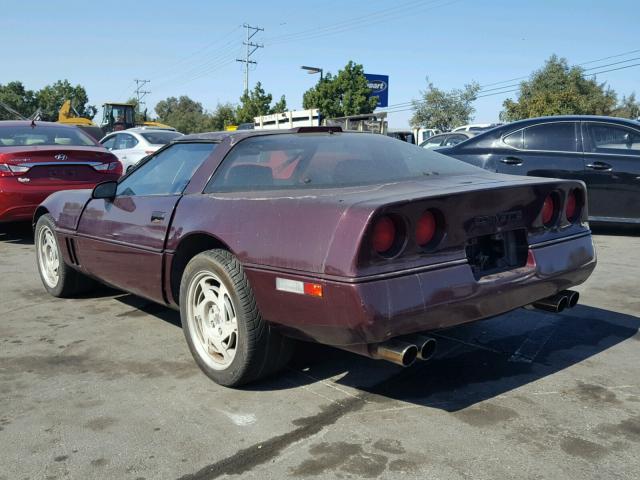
(395, 351)
(555, 303)
(426, 345)
(572, 297)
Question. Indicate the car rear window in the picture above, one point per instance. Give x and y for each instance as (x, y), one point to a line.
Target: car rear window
(318, 160)
(160, 138)
(26, 135)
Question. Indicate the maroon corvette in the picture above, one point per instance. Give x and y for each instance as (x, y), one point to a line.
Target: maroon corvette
(353, 240)
(39, 158)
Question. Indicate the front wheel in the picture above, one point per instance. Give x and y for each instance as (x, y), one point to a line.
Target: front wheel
(227, 336)
(58, 278)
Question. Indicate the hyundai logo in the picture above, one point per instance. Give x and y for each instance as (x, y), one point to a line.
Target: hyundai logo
(377, 85)
(60, 157)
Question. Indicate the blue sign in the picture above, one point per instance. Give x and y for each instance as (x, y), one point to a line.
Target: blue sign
(379, 85)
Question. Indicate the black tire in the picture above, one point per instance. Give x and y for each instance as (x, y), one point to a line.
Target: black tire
(260, 350)
(69, 282)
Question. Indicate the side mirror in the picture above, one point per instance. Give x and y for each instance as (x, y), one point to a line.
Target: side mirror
(106, 190)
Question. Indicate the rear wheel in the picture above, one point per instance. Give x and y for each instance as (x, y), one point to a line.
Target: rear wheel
(226, 334)
(58, 278)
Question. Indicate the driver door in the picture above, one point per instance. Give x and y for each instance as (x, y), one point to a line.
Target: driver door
(121, 240)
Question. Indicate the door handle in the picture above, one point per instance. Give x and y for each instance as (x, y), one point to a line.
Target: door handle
(599, 166)
(157, 217)
(512, 160)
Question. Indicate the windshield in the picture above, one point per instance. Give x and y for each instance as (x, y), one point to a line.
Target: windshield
(11, 136)
(160, 138)
(327, 160)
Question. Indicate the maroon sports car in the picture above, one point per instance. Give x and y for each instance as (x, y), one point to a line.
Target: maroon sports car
(353, 240)
(39, 158)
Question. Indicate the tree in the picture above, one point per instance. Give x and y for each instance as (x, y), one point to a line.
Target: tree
(223, 116)
(444, 110)
(14, 95)
(253, 104)
(557, 89)
(280, 106)
(345, 94)
(628, 107)
(50, 98)
(184, 114)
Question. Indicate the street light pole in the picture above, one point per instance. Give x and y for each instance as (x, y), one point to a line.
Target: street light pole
(313, 70)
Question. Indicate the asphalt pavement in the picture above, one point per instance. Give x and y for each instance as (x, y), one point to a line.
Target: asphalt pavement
(104, 387)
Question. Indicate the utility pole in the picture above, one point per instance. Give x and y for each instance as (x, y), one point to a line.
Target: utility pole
(251, 48)
(140, 94)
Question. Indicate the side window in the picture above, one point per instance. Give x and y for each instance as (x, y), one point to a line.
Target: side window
(109, 142)
(514, 139)
(557, 136)
(168, 172)
(614, 139)
(119, 142)
(433, 142)
(124, 140)
(454, 140)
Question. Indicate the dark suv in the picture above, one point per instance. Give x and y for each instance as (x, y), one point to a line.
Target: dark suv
(604, 152)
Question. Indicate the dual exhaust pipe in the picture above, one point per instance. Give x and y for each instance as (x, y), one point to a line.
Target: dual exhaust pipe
(404, 351)
(558, 302)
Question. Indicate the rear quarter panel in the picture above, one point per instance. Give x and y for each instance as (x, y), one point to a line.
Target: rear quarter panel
(283, 232)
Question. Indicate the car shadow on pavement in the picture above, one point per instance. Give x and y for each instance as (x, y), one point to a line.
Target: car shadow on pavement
(139, 304)
(18, 233)
(475, 362)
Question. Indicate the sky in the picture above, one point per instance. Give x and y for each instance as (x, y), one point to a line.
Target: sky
(190, 47)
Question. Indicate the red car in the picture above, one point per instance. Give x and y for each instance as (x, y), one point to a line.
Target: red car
(39, 158)
(348, 239)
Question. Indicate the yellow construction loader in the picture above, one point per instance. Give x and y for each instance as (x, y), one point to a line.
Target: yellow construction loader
(115, 116)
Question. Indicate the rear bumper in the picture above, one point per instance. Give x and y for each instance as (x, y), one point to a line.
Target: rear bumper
(18, 202)
(373, 311)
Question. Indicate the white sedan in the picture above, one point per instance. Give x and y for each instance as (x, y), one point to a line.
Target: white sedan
(132, 145)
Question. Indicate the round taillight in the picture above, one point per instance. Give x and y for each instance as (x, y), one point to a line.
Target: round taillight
(548, 210)
(426, 229)
(384, 235)
(571, 209)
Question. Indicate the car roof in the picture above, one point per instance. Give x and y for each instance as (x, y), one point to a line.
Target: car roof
(220, 136)
(21, 123)
(570, 118)
(147, 129)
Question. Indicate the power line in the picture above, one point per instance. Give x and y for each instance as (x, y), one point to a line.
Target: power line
(225, 56)
(615, 69)
(516, 89)
(170, 67)
(610, 64)
(251, 49)
(341, 24)
(407, 103)
(610, 56)
(617, 55)
(359, 22)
